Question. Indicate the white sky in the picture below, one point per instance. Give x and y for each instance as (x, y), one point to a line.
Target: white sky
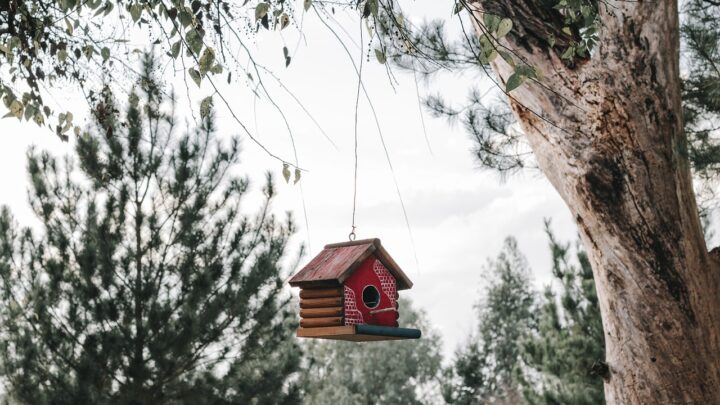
(459, 214)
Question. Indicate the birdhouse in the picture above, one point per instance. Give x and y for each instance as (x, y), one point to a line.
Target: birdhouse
(350, 292)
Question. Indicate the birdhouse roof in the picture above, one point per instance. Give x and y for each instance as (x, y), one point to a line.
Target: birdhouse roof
(337, 262)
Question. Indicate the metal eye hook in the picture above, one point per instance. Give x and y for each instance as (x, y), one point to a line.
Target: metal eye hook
(352, 235)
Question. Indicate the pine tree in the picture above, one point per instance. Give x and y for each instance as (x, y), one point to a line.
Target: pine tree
(701, 95)
(566, 354)
(388, 373)
(486, 369)
(145, 284)
(547, 351)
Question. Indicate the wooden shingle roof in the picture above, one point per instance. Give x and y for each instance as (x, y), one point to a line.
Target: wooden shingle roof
(336, 262)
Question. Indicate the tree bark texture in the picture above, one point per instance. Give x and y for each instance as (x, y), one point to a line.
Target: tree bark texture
(607, 132)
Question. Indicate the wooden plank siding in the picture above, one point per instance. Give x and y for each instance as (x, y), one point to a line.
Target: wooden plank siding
(321, 302)
(321, 312)
(321, 292)
(321, 322)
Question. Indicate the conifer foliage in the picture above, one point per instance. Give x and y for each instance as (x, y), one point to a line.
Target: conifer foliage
(566, 354)
(146, 282)
(529, 349)
(701, 93)
(485, 370)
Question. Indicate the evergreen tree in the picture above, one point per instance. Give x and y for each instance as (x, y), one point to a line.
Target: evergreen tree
(146, 284)
(486, 369)
(567, 352)
(388, 373)
(701, 94)
(547, 352)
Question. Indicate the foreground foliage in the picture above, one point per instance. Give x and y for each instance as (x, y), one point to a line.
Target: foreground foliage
(146, 282)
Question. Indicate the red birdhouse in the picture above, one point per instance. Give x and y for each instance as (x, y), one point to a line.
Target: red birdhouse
(350, 292)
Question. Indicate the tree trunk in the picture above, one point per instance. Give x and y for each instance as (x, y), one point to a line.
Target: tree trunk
(608, 133)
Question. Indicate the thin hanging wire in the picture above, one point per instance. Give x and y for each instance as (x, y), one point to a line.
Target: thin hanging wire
(352, 235)
(420, 111)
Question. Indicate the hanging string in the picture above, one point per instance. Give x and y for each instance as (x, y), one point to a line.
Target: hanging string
(380, 134)
(352, 235)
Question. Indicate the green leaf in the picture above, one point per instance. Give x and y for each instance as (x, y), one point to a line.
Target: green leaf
(88, 51)
(286, 54)
(38, 118)
(195, 75)
(373, 4)
(30, 111)
(491, 56)
(486, 43)
(513, 82)
(175, 49)
(504, 27)
(297, 176)
(206, 61)
(261, 10)
(380, 56)
(194, 41)
(135, 11)
(525, 70)
(69, 27)
(185, 18)
(62, 55)
(205, 106)
(507, 58)
(491, 22)
(105, 52)
(487, 46)
(308, 4)
(286, 172)
(568, 54)
(108, 7)
(551, 41)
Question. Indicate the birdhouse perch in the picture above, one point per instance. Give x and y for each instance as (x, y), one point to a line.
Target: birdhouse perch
(349, 291)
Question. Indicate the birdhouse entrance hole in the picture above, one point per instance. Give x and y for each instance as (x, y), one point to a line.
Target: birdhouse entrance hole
(371, 296)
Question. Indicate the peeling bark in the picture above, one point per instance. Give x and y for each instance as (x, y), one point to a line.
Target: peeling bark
(608, 134)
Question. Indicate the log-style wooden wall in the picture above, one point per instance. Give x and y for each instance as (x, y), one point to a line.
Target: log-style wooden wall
(321, 307)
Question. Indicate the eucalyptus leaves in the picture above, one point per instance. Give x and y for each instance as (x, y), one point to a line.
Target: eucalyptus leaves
(45, 43)
(579, 27)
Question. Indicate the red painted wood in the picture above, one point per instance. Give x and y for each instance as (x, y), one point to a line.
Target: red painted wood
(334, 264)
(330, 264)
(369, 273)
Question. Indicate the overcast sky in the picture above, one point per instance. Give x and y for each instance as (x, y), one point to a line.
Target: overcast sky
(459, 214)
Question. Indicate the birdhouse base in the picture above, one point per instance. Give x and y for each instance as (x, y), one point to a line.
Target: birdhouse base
(359, 333)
